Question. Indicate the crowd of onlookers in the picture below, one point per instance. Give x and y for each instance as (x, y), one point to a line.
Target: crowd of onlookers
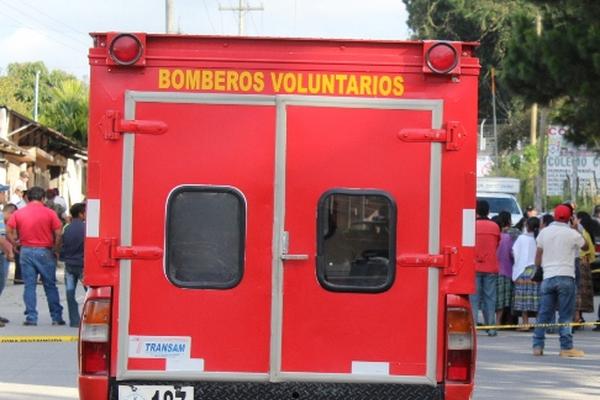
(537, 268)
(37, 231)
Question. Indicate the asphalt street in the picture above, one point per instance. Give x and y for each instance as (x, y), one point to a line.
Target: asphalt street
(505, 366)
(506, 369)
(45, 371)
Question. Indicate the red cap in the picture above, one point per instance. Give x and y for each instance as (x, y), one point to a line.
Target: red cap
(562, 213)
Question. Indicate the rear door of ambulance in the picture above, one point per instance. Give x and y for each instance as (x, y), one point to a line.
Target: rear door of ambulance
(281, 228)
(285, 222)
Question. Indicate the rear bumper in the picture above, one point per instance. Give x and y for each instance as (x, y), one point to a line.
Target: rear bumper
(93, 387)
(297, 390)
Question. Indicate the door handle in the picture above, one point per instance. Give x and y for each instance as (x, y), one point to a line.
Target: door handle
(294, 257)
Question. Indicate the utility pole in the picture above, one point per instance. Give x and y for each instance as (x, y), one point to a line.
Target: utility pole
(170, 16)
(534, 107)
(494, 122)
(539, 199)
(36, 96)
(241, 9)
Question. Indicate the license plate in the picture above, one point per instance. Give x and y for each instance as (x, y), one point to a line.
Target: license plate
(156, 392)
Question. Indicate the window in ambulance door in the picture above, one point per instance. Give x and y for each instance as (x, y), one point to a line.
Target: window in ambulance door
(205, 237)
(356, 241)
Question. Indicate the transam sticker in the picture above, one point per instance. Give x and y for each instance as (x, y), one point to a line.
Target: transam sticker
(159, 346)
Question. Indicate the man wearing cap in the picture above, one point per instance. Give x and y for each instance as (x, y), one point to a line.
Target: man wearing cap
(557, 247)
(39, 231)
(6, 250)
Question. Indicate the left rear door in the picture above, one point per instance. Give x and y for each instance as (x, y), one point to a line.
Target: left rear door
(201, 195)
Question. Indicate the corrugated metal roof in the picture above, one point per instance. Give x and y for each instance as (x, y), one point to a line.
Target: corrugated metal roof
(58, 141)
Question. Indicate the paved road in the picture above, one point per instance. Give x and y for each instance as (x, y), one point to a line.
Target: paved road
(506, 368)
(44, 371)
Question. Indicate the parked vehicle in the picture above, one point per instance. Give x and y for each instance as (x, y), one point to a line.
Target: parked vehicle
(500, 194)
(279, 218)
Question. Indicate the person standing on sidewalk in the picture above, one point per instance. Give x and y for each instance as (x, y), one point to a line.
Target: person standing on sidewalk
(487, 237)
(504, 286)
(6, 252)
(557, 247)
(72, 255)
(39, 231)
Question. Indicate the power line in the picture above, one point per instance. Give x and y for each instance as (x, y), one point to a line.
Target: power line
(44, 25)
(208, 16)
(256, 31)
(42, 32)
(241, 10)
(78, 32)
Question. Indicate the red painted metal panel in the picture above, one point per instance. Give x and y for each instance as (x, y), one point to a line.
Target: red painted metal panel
(355, 148)
(229, 329)
(93, 387)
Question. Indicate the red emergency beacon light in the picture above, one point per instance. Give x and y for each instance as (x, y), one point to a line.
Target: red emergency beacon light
(442, 57)
(126, 49)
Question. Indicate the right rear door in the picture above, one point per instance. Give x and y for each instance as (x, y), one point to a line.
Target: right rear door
(354, 198)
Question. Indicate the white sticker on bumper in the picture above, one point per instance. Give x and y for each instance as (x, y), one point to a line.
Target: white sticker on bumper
(185, 364)
(370, 368)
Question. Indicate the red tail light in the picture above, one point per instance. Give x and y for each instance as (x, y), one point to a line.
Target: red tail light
(460, 345)
(94, 336)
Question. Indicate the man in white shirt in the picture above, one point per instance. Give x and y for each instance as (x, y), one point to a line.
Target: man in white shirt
(557, 247)
(19, 188)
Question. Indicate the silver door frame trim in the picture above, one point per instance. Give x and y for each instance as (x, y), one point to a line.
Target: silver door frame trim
(278, 228)
(280, 102)
(191, 375)
(353, 378)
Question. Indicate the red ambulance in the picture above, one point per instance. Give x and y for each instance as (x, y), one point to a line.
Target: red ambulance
(279, 219)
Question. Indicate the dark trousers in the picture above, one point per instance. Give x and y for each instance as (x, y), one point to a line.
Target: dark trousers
(18, 277)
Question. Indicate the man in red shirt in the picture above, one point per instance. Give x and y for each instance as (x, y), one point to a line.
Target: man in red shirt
(39, 231)
(487, 237)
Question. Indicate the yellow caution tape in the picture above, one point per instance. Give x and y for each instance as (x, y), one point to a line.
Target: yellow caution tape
(527, 326)
(38, 339)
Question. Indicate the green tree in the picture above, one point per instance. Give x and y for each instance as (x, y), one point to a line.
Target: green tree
(62, 102)
(522, 164)
(8, 89)
(68, 109)
(560, 67)
(484, 21)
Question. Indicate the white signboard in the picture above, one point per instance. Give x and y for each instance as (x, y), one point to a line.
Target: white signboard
(569, 167)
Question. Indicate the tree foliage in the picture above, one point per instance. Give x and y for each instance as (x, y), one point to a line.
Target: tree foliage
(560, 67)
(484, 21)
(522, 164)
(62, 102)
(68, 110)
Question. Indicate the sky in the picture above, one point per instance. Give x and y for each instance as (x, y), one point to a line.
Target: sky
(57, 31)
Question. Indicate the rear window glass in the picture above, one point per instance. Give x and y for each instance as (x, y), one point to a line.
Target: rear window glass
(356, 247)
(499, 204)
(205, 237)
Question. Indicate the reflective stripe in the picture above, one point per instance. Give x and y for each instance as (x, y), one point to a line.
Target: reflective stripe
(92, 218)
(468, 227)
